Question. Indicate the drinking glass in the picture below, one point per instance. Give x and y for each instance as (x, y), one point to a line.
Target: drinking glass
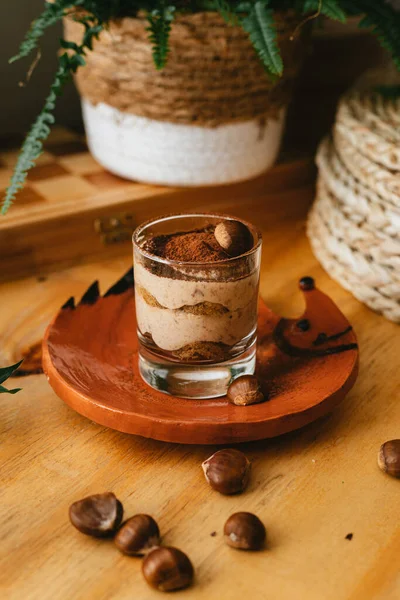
(197, 321)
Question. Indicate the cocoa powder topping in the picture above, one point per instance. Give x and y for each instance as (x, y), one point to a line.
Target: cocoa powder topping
(193, 246)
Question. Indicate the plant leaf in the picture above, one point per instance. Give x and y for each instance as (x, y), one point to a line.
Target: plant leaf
(32, 148)
(4, 390)
(67, 45)
(226, 11)
(160, 20)
(52, 14)
(6, 372)
(329, 8)
(260, 25)
(383, 20)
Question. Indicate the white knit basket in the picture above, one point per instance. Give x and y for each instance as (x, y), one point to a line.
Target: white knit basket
(159, 152)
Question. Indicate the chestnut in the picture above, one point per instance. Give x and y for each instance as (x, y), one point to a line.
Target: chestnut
(245, 531)
(167, 569)
(227, 471)
(234, 237)
(389, 458)
(138, 535)
(99, 515)
(245, 390)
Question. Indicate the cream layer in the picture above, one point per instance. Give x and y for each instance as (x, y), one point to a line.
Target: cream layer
(173, 329)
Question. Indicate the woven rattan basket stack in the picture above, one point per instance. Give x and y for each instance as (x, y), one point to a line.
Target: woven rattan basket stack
(354, 225)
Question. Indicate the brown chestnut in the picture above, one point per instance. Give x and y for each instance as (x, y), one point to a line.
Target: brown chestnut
(99, 515)
(389, 458)
(245, 531)
(167, 569)
(227, 471)
(245, 390)
(234, 237)
(138, 535)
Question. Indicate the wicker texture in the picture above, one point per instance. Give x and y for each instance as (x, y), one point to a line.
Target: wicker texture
(213, 75)
(354, 225)
(373, 125)
(386, 183)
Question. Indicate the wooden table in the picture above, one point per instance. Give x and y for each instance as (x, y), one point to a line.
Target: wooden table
(311, 488)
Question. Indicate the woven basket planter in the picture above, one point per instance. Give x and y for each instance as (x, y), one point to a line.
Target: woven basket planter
(212, 115)
(354, 225)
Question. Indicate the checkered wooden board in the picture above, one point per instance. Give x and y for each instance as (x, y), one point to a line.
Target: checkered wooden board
(65, 173)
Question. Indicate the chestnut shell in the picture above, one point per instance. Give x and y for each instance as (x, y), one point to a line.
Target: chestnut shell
(138, 535)
(227, 471)
(245, 390)
(167, 569)
(389, 458)
(98, 515)
(244, 531)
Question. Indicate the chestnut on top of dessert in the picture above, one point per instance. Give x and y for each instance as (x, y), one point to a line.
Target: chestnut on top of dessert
(234, 237)
(212, 243)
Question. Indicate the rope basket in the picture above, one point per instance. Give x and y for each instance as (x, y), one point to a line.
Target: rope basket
(354, 224)
(386, 183)
(368, 282)
(373, 126)
(213, 75)
(382, 251)
(359, 203)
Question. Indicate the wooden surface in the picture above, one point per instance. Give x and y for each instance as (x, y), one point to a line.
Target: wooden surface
(96, 372)
(311, 488)
(71, 208)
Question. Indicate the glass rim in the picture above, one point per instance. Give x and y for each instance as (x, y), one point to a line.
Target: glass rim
(210, 264)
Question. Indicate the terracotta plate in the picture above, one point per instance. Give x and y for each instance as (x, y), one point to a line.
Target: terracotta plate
(90, 358)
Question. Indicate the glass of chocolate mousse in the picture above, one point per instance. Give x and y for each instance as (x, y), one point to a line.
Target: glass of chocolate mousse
(196, 290)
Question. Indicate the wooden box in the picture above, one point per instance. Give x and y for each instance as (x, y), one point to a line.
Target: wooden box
(72, 209)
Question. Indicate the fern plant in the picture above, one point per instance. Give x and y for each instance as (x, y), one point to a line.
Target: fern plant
(255, 16)
(160, 20)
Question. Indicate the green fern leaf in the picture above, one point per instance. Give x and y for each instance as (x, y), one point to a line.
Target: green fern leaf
(51, 15)
(260, 26)
(226, 11)
(32, 147)
(160, 21)
(383, 21)
(329, 8)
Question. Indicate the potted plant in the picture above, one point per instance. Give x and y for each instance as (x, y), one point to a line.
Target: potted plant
(188, 93)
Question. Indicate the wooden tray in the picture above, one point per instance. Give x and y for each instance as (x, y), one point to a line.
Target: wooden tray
(90, 358)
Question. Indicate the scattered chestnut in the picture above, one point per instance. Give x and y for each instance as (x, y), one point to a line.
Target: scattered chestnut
(234, 237)
(389, 458)
(245, 390)
(245, 531)
(99, 515)
(167, 569)
(227, 471)
(138, 535)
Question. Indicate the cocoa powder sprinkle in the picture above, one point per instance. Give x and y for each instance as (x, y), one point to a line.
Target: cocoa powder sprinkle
(193, 246)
